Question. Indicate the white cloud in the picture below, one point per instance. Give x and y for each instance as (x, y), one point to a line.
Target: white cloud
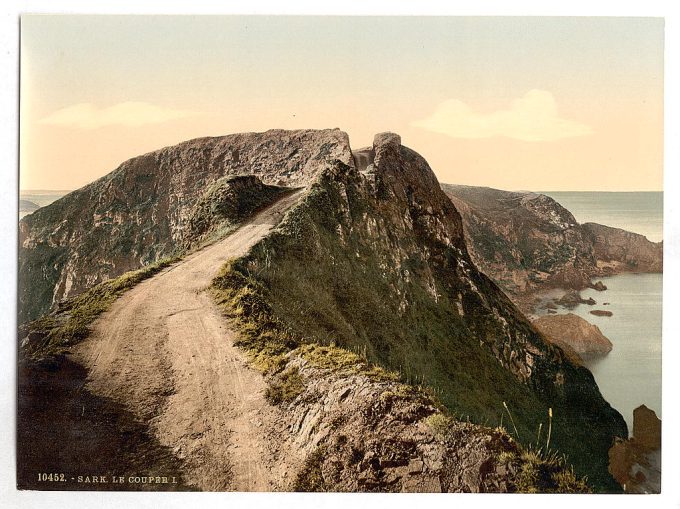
(127, 114)
(533, 117)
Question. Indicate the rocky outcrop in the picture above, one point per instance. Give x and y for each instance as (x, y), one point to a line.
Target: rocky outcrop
(619, 250)
(636, 462)
(523, 240)
(573, 333)
(225, 203)
(375, 259)
(149, 207)
(572, 298)
(526, 241)
(363, 434)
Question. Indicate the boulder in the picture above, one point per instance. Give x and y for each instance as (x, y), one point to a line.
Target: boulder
(574, 333)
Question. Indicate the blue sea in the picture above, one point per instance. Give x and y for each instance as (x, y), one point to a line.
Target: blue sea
(630, 375)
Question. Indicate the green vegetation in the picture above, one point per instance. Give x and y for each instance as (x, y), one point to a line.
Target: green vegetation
(547, 473)
(72, 322)
(285, 387)
(270, 344)
(310, 477)
(440, 423)
(324, 284)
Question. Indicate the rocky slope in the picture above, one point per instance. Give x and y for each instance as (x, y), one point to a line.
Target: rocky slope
(152, 207)
(373, 259)
(366, 433)
(526, 241)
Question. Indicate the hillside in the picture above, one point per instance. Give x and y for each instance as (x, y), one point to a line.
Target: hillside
(372, 259)
(150, 207)
(526, 241)
(375, 261)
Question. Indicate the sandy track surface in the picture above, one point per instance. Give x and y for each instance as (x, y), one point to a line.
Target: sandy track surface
(165, 353)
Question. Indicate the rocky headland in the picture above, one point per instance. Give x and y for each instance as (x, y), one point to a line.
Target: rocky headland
(528, 242)
(28, 206)
(371, 263)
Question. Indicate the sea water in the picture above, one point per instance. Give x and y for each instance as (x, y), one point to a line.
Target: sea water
(630, 375)
(636, 212)
(40, 198)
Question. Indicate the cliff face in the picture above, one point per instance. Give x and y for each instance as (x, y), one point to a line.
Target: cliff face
(525, 241)
(150, 208)
(620, 250)
(363, 434)
(375, 260)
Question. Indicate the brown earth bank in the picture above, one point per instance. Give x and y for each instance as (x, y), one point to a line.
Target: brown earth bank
(574, 334)
(372, 260)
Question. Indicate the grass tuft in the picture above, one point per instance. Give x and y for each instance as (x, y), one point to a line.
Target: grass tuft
(285, 387)
(310, 477)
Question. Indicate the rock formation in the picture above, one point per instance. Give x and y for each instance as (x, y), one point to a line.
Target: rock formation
(636, 462)
(374, 259)
(527, 241)
(148, 207)
(572, 333)
(618, 250)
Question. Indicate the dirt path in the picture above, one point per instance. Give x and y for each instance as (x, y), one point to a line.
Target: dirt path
(166, 354)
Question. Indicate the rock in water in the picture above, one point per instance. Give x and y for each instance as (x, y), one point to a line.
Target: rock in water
(572, 331)
(646, 428)
(572, 298)
(636, 463)
(599, 286)
(601, 312)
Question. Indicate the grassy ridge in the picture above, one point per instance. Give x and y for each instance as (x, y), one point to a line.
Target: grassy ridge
(329, 276)
(270, 344)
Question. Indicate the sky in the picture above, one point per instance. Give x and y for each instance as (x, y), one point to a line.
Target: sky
(518, 103)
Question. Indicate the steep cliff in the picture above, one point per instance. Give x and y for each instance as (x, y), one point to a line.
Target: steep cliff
(619, 250)
(374, 260)
(152, 207)
(526, 241)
